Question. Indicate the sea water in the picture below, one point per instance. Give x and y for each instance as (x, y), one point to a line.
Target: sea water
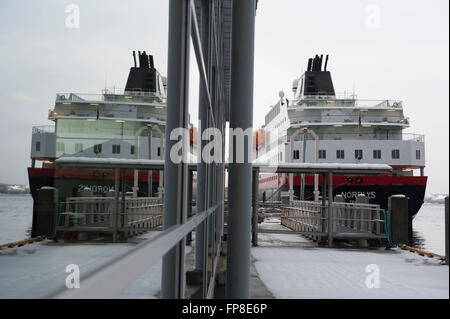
(429, 228)
(16, 215)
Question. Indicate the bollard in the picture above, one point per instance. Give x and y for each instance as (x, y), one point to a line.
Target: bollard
(447, 243)
(45, 211)
(400, 220)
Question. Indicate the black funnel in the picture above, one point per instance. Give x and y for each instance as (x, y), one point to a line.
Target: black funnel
(316, 81)
(142, 78)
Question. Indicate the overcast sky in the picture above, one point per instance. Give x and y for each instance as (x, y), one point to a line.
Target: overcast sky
(393, 49)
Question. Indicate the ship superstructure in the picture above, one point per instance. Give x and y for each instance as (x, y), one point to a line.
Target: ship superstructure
(326, 127)
(119, 123)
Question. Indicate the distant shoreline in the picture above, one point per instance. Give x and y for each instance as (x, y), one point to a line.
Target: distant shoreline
(435, 199)
(15, 193)
(14, 189)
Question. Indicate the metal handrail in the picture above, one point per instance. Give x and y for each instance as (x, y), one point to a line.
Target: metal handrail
(330, 101)
(109, 280)
(355, 136)
(107, 96)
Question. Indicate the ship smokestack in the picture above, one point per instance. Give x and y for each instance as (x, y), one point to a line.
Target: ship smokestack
(134, 58)
(309, 64)
(143, 77)
(315, 81)
(152, 66)
(144, 60)
(316, 63)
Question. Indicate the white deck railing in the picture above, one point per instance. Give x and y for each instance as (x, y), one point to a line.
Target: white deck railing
(95, 212)
(347, 218)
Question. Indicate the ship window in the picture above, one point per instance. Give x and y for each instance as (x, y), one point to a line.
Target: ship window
(417, 154)
(97, 148)
(296, 154)
(38, 146)
(322, 154)
(340, 154)
(116, 149)
(358, 154)
(78, 147)
(377, 154)
(60, 147)
(395, 154)
(132, 150)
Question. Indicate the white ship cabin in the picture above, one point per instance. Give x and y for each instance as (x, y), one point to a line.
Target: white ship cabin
(347, 129)
(112, 124)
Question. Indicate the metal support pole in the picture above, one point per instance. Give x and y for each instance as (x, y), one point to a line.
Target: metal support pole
(302, 184)
(291, 176)
(240, 174)
(136, 155)
(255, 208)
(447, 243)
(324, 196)
(161, 156)
(175, 199)
(135, 183)
(330, 209)
(202, 174)
(291, 188)
(122, 217)
(189, 206)
(116, 202)
(150, 173)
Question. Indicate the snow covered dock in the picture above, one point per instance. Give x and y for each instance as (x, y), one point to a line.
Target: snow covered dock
(294, 267)
(39, 269)
(290, 266)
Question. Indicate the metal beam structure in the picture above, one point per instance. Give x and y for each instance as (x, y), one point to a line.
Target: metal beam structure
(240, 174)
(203, 109)
(175, 198)
(255, 188)
(202, 21)
(116, 202)
(330, 208)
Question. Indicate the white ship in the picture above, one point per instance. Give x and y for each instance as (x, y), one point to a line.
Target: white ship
(325, 127)
(119, 123)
